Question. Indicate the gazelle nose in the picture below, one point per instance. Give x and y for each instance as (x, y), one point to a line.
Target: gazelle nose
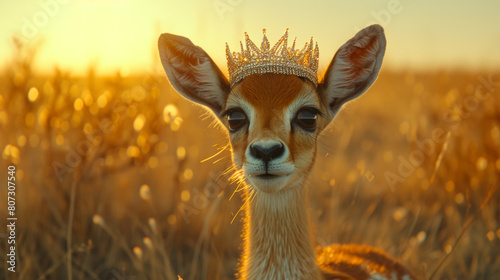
(267, 154)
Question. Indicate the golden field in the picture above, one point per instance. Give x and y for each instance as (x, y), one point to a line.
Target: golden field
(120, 178)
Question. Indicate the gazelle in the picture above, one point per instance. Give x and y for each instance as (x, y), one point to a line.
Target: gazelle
(274, 108)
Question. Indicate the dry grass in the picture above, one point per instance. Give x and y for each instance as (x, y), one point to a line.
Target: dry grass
(134, 201)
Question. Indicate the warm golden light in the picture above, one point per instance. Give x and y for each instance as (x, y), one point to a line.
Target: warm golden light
(413, 42)
(33, 94)
(102, 101)
(181, 153)
(185, 195)
(133, 151)
(21, 141)
(78, 104)
(133, 181)
(145, 192)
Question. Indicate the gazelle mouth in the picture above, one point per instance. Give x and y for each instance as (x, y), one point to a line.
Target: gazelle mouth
(269, 182)
(268, 176)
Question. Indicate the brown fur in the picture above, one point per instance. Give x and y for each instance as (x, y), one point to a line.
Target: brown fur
(360, 262)
(270, 95)
(278, 243)
(283, 246)
(269, 91)
(277, 235)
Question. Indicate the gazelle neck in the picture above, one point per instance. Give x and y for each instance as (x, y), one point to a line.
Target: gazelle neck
(278, 242)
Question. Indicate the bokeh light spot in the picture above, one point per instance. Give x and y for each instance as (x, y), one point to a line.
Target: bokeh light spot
(181, 153)
(153, 162)
(78, 104)
(490, 235)
(170, 112)
(133, 151)
(188, 174)
(459, 198)
(33, 94)
(185, 195)
(139, 122)
(102, 101)
(145, 192)
(481, 163)
(21, 141)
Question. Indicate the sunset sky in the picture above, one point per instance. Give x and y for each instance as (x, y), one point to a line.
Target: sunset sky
(121, 34)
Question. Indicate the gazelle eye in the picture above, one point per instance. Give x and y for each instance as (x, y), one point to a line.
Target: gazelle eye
(236, 120)
(306, 118)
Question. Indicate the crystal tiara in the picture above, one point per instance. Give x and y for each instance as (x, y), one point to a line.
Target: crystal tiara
(279, 59)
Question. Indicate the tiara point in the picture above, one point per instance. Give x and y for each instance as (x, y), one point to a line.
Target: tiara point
(280, 59)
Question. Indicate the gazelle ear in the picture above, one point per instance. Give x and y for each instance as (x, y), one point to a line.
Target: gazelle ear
(354, 67)
(192, 72)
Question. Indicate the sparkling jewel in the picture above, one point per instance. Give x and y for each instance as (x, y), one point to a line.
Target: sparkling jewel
(279, 59)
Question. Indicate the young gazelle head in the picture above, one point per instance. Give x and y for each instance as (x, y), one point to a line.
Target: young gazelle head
(274, 119)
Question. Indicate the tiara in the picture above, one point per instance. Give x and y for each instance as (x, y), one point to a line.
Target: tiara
(279, 59)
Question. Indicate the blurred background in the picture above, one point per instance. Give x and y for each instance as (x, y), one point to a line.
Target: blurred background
(118, 177)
